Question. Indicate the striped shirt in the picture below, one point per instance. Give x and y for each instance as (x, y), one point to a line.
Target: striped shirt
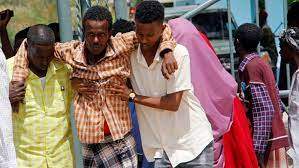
(114, 68)
(42, 126)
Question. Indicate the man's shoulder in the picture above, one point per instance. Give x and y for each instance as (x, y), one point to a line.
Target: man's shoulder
(180, 52)
(257, 64)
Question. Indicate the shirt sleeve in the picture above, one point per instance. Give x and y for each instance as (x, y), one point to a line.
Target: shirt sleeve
(167, 40)
(262, 113)
(21, 63)
(65, 51)
(181, 79)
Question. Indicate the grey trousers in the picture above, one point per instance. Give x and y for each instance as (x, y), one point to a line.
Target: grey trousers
(204, 160)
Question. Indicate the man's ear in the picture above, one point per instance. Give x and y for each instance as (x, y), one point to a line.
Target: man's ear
(110, 33)
(163, 26)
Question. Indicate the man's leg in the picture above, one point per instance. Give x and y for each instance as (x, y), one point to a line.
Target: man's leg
(111, 154)
(162, 162)
(204, 160)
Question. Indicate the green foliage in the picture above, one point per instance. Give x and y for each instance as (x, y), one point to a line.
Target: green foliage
(29, 12)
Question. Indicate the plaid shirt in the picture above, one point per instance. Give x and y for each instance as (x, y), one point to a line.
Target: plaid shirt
(113, 68)
(261, 107)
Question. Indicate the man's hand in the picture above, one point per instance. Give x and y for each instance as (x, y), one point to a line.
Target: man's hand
(4, 22)
(120, 90)
(169, 65)
(16, 92)
(84, 88)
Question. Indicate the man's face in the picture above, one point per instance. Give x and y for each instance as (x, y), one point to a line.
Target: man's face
(286, 52)
(96, 35)
(148, 34)
(40, 56)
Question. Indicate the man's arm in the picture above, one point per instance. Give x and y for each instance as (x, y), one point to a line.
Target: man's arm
(167, 45)
(170, 102)
(262, 111)
(179, 82)
(6, 46)
(65, 51)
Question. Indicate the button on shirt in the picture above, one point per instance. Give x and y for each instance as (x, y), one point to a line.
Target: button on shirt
(42, 126)
(183, 134)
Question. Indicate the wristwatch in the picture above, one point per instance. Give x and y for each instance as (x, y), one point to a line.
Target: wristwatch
(132, 96)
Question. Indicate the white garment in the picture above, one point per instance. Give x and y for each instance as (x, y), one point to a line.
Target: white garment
(294, 119)
(183, 134)
(7, 149)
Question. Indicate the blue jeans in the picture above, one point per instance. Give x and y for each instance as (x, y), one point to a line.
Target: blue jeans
(204, 160)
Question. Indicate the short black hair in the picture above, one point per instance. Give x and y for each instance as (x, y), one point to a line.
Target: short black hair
(40, 34)
(98, 13)
(149, 11)
(122, 26)
(293, 14)
(249, 35)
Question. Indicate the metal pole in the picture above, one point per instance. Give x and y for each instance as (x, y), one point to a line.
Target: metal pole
(85, 4)
(288, 71)
(257, 21)
(65, 21)
(199, 8)
(121, 9)
(66, 34)
(230, 33)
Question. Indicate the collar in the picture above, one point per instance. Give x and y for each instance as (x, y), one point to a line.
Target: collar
(247, 59)
(80, 54)
(54, 66)
(141, 59)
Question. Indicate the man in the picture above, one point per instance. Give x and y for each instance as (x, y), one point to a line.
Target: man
(268, 39)
(7, 149)
(19, 38)
(289, 43)
(55, 27)
(174, 129)
(124, 26)
(293, 21)
(260, 94)
(103, 122)
(42, 127)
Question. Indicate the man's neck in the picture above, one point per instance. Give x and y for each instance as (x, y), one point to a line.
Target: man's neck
(37, 72)
(93, 59)
(149, 53)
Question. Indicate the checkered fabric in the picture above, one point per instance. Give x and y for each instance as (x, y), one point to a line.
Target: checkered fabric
(262, 110)
(262, 113)
(111, 154)
(113, 68)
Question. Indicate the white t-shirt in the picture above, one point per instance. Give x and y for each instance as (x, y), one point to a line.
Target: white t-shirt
(183, 134)
(43, 82)
(7, 149)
